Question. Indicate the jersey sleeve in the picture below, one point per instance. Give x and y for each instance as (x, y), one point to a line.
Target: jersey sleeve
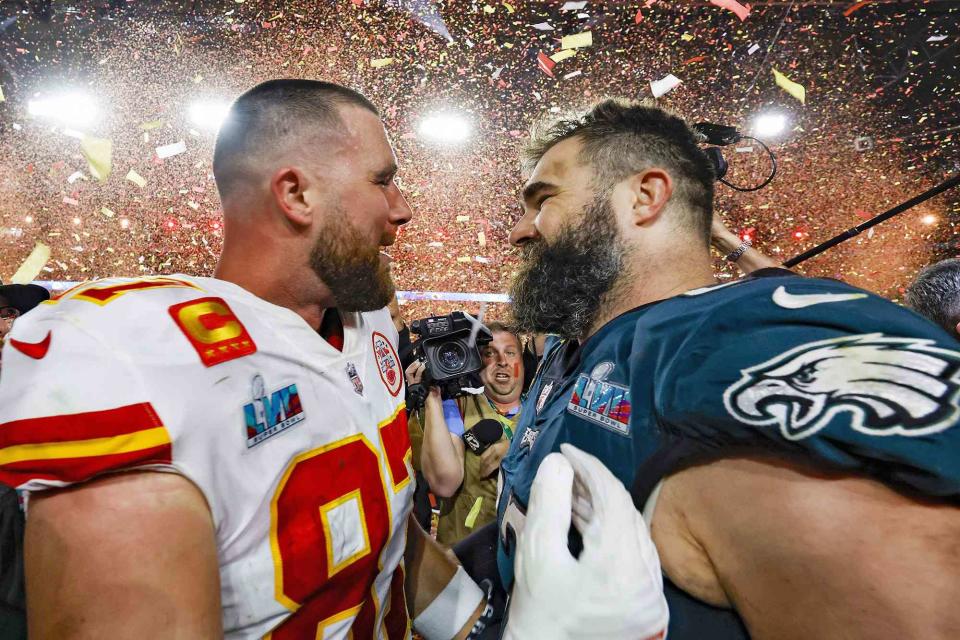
(820, 369)
(72, 407)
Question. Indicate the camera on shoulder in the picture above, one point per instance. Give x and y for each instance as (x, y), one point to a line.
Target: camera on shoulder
(450, 349)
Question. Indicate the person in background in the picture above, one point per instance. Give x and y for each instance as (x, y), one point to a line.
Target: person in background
(15, 301)
(465, 479)
(935, 295)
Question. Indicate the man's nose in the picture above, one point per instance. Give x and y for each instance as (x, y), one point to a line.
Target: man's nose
(525, 230)
(400, 212)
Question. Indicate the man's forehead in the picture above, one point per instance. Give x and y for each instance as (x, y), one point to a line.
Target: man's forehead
(560, 164)
(364, 130)
(505, 339)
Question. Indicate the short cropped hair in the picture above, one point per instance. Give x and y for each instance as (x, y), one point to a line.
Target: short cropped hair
(497, 327)
(621, 138)
(935, 294)
(273, 113)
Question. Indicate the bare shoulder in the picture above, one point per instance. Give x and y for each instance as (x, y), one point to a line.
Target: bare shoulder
(132, 551)
(805, 554)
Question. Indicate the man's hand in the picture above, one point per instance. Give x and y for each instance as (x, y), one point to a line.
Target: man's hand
(415, 371)
(724, 240)
(490, 459)
(414, 374)
(615, 589)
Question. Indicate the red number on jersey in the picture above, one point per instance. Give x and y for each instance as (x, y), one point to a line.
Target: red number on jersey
(395, 440)
(330, 520)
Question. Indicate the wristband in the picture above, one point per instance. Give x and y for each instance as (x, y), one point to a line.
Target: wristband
(451, 609)
(733, 257)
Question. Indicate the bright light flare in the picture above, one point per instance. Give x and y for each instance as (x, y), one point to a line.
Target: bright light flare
(71, 109)
(446, 128)
(124, 223)
(768, 125)
(209, 115)
(929, 219)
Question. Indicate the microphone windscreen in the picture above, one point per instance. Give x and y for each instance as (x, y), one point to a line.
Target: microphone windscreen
(488, 430)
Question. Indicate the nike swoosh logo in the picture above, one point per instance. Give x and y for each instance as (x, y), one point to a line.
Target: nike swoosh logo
(799, 301)
(35, 350)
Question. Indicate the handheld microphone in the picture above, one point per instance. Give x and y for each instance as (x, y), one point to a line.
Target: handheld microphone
(482, 435)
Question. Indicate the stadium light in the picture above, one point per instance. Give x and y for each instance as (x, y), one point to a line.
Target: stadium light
(768, 125)
(445, 128)
(209, 114)
(72, 109)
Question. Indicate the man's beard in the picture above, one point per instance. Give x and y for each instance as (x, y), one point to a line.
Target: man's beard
(351, 268)
(562, 285)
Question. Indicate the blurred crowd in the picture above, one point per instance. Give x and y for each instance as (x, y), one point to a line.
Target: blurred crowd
(146, 68)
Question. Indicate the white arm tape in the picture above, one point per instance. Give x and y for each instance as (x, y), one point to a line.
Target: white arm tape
(450, 611)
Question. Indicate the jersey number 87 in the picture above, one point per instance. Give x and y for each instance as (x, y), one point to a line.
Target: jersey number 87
(320, 589)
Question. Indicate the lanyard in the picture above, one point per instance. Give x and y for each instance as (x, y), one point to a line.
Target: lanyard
(506, 422)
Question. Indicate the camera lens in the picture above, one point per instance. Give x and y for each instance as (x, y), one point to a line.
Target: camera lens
(451, 356)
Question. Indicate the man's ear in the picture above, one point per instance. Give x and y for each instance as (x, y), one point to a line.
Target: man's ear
(650, 191)
(289, 186)
(957, 329)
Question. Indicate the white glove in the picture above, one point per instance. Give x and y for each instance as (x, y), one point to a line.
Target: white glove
(615, 589)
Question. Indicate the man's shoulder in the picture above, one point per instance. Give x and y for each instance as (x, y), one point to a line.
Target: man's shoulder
(779, 286)
(118, 310)
(108, 298)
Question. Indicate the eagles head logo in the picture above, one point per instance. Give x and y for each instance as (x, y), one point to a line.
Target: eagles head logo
(888, 386)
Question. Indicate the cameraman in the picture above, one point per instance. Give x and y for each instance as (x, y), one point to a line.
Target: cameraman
(466, 481)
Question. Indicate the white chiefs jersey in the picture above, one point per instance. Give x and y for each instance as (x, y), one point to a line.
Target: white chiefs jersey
(300, 449)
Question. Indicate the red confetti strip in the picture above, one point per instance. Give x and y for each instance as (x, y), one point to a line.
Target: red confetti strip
(856, 6)
(545, 63)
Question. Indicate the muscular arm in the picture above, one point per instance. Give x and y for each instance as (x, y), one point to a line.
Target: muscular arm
(428, 570)
(442, 456)
(131, 555)
(803, 555)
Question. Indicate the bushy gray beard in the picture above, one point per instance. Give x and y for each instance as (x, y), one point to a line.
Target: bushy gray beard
(562, 285)
(351, 268)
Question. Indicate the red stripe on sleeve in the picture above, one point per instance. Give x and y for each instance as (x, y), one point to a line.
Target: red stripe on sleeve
(80, 426)
(72, 470)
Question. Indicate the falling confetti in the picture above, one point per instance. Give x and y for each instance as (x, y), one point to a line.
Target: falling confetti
(136, 178)
(577, 40)
(99, 155)
(170, 150)
(502, 72)
(794, 89)
(739, 9)
(664, 86)
(31, 267)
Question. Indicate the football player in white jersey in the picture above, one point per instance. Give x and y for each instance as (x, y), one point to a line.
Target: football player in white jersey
(257, 416)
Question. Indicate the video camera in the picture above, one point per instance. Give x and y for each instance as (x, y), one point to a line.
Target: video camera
(451, 358)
